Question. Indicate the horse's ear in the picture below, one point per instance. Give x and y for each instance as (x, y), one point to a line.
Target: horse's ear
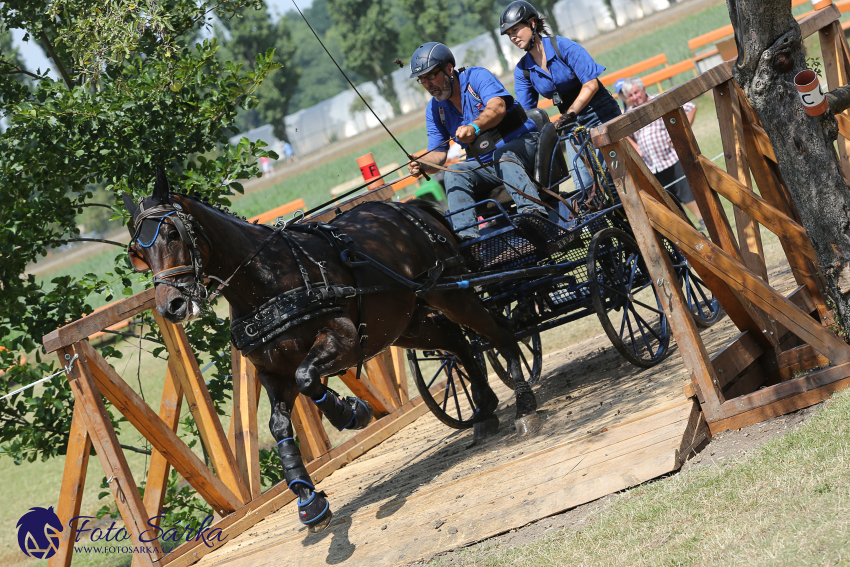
(160, 186)
(136, 259)
(133, 209)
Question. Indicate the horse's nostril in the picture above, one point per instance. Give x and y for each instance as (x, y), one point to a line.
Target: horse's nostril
(177, 305)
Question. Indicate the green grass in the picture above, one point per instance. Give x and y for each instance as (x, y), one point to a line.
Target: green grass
(784, 505)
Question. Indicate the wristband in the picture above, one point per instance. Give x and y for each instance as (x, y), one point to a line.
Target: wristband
(474, 125)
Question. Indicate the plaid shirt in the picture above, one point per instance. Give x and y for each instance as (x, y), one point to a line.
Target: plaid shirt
(655, 145)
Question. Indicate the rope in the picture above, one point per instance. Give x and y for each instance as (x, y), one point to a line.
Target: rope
(66, 369)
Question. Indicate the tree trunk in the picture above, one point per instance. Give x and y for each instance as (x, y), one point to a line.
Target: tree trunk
(387, 89)
(770, 55)
(502, 61)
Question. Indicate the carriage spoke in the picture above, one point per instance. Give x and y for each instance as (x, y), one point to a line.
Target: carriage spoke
(647, 325)
(439, 370)
(638, 321)
(465, 391)
(645, 306)
(454, 395)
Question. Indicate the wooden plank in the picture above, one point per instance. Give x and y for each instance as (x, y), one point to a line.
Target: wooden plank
(833, 56)
(399, 364)
(99, 320)
(73, 484)
(158, 433)
(99, 427)
(279, 495)
(307, 422)
(687, 336)
(365, 390)
(799, 359)
(789, 232)
(810, 389)
(751, 249)
(647, 113)
(245, 446)
(818, 20)
(764, 143)
(379, 375)
(733, 358)
(384, 193)
(202, 408)
(752, 287)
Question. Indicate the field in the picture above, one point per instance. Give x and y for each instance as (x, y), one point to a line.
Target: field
(656, 507)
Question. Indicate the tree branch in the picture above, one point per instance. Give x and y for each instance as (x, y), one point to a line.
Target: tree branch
(839, 99)
(135, 449)
(90, 240)
(18, 70)
(67, 78)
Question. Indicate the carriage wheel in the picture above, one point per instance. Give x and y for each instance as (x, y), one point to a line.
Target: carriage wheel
(456, 407)
(704, 307)
(620, 283)
(531, 353)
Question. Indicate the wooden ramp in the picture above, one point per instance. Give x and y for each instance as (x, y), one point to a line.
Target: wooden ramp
(425, 490)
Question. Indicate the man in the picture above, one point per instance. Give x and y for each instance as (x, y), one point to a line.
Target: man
(473, 107)
(655, 147)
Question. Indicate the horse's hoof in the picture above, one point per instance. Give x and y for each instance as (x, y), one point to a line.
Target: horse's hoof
(321, 523)
(485, 428)
(527, 424)
(315, 512)
(362, 413)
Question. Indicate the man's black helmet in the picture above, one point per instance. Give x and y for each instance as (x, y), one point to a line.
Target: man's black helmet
(516, 12)
(428, 57)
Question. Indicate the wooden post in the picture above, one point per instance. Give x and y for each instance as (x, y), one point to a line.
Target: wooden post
(201, 406)
(307, 421)
(835, 69)
(244, 421)
(99, 427)
(379, 375)
(399, 365)
(73, 483)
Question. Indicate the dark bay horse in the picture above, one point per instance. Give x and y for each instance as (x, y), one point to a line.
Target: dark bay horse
(295, 314)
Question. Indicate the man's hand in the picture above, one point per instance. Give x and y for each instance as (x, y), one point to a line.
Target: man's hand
(415, 168)
(465, 134)
(565, 120)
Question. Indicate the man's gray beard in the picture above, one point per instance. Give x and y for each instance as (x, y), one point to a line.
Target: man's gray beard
(445, 93)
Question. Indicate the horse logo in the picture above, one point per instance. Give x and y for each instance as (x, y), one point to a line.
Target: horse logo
(38, 533)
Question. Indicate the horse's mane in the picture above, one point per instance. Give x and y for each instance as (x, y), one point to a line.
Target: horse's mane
(432, 209)
(205, 200)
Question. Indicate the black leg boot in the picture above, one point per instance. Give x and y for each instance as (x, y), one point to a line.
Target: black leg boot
(348, 413)
(314, 511)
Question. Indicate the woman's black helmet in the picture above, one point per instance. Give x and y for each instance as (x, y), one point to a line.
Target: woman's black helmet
(516, 12)
(428, 57)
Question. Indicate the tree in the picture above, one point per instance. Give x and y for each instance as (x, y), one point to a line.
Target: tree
(545, 7)
(252, 32)
(610, 5)
(483, 10)
(770, 55)
(369, 41)
(427, 20)
(133, 93)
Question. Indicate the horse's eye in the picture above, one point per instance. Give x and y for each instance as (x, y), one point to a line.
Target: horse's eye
(173, 235)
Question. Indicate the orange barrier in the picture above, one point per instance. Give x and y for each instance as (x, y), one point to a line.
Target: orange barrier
(634, 70)
(269, 216)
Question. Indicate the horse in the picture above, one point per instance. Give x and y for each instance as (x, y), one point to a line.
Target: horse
(303, 308)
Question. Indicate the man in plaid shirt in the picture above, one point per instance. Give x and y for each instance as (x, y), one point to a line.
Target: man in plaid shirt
(655, 147)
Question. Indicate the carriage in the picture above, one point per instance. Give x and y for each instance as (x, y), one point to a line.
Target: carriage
(539, 273)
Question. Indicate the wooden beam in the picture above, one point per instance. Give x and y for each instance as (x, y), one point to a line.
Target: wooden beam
(789, 232)
(365, 390)
(799, 359)
(818, 20)
(158, 433)
(243, 422)
(647, 113)
(202, 408)
(99, 427)
(664, 278)
(379, 375)
(752, 287)
(399, 365)
(764, 144)
(733, 358)
(99, 320)
(73, 484)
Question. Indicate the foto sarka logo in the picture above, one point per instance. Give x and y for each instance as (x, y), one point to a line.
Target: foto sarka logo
(38, 533)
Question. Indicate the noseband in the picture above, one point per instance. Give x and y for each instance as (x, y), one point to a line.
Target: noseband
(185, 226)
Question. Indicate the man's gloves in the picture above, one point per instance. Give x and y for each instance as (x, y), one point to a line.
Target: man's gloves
(565, 120)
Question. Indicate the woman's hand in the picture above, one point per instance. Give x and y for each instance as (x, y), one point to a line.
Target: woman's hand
(565, 120)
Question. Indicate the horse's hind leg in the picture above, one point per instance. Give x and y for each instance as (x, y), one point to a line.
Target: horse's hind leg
(464, 307)
(438, 333)
(331, 353)
(313, 508)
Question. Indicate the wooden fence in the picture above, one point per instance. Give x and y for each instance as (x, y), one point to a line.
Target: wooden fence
(746, 381)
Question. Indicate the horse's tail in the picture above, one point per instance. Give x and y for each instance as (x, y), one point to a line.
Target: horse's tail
(432, 209)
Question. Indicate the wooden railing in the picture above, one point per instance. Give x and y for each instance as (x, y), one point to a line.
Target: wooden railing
(745, 382)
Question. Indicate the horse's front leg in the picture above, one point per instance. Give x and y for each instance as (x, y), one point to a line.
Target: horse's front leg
(331, 353)
(313, 508)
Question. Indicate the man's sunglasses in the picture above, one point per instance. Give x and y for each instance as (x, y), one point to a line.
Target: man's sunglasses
(429, 78)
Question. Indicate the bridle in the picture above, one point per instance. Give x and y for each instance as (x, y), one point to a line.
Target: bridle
(185, 225)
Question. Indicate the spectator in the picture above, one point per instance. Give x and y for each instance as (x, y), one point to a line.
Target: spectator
(618, 90)
(655, 147)
(288, 154)
(266, 165)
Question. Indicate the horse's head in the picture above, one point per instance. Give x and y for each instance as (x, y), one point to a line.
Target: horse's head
(165, 242)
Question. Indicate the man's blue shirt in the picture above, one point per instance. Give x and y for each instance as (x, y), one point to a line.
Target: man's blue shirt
(577, 68)
(487, 87)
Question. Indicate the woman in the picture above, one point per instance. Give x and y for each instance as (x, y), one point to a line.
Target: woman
(559, 69)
